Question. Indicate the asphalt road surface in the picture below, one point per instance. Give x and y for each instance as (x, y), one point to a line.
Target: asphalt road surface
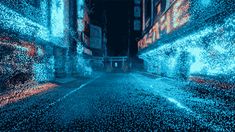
(117, 102)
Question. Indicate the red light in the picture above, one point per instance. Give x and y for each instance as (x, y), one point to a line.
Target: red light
(174, 18)
(17, 95)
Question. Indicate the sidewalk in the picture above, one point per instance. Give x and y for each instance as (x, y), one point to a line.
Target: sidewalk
(15, 95)
(32, 88)
(223, 92)
(212, 109)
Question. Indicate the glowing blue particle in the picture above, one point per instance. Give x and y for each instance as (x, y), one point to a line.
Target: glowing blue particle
(205, 3)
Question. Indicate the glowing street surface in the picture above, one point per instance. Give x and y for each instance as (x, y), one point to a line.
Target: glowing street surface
(119, 102)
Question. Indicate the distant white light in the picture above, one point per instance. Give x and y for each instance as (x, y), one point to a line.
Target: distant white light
(116, 64)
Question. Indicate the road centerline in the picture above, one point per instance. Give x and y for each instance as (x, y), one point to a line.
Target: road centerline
(33, 114)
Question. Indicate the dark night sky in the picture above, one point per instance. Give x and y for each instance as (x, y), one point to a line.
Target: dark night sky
(118, 13)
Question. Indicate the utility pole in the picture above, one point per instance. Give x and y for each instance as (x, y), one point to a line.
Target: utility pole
(129, 38)
(129, 34)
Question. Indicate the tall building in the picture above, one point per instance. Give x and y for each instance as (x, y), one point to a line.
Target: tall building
(42, 35)
(185, 38)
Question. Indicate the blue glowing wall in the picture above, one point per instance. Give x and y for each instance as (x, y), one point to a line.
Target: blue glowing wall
(46, 27)
(209, 51)
(11, 20)
(57, 18)
(31, 25)
(80, 9)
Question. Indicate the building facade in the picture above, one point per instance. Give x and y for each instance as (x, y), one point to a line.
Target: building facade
(186, 38)
(45, 34)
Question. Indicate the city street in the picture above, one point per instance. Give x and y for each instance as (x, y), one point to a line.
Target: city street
(118, 101)
(117, 65)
